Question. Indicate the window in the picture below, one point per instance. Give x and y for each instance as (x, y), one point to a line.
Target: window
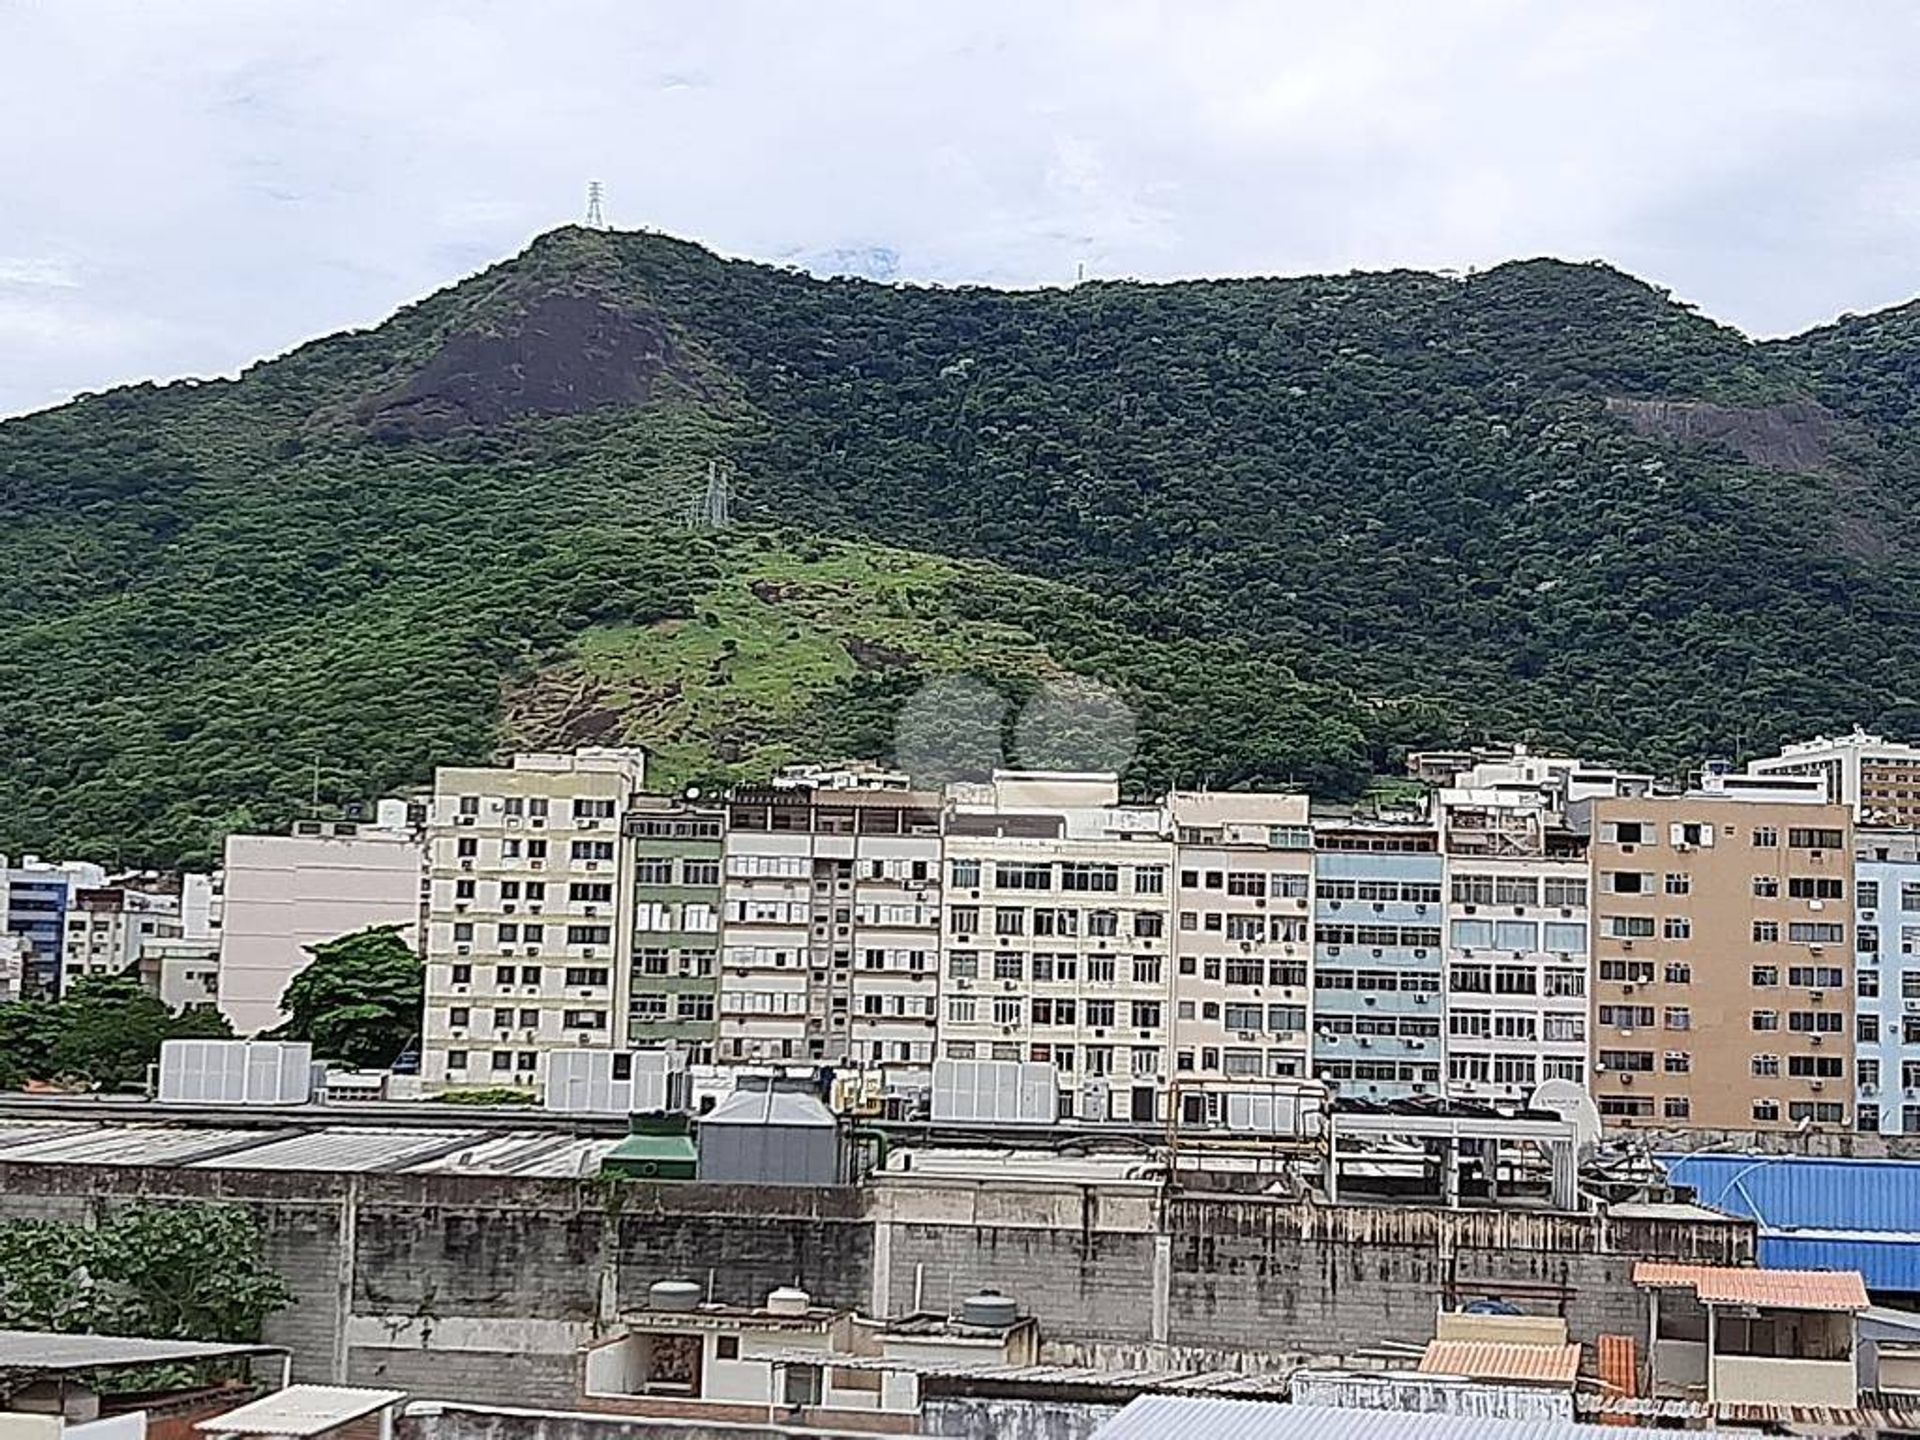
(1149, 925)
(1816, 887)
(965, 874)
(456, 1059)
(589, 934)
(1678, 1017)
(1627, 972)
(1631, 1061)
(1676, 927)
(591, 893)
(1146, 970)
(1100, 970)
(1516, 890)
(1866, 894)
(1810, 932)
(458, 1016)
(1807, 838)
(1766, 932)
(1246, 927)
(1765, 976)
(1008, 965)
(1676, 1062)
(1867, 1030)
(1868, 1072)
(960, 1010)
(462, 890)
(1100, 1013)
(1816, 977)
(462, 975)
(593, 809)
(1765, 1067)
(1766, 1112)
(652, 872)
(1679, 973)
(1101, 923)
(1567, 894)
(699, 872)
(1867, 984)
(1766, 887)
(1009, 922)
(1146, 1015)
(1149, 879)
(1816, 1022)
(1628, 882)
(1007, 1009)
(1473, 889)
(1564, 937)
(964, 920)
(586, 975)
(1679, 883)
(1765, 837)
(584, 1020)
(1630, 927)
(1816, 1067)
(1766, 1020)
(1246, 883)
(1088, 877)
(462, 931)
(591, 850)
(965, 965)
(1627, 1017)
(1628, 832)
(1676, 1107)
(1472, 935)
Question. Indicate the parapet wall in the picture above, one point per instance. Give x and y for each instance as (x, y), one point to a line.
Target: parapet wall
(482, 1289)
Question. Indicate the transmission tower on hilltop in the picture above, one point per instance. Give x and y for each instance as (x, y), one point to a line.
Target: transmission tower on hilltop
(713, 508)
(596, 216)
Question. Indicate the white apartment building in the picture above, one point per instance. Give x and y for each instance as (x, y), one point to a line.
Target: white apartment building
(1058, 937)
(183, 973)
(1242, 943)
(830, 915)
(283, 893)
(1518, 939)
(1878, 777)
(528, 932)
(106, 927)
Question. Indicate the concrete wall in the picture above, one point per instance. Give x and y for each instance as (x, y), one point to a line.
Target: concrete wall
(484, 1289)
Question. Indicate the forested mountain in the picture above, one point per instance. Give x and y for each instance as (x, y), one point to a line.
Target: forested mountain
(1298, 524)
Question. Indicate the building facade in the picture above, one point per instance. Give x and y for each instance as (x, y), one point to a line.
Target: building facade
(1242, 943)
(831, 909)
(1723, 996)
(1517, 941)
(1378, 958)
(672, 869)
(528, 934)
(1887, 980)
(284, 893)
(106, 927)
(37, 897)
(1057, 938)
(1879, 779)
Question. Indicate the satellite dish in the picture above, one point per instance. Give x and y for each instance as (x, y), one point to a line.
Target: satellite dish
(1570, 1101)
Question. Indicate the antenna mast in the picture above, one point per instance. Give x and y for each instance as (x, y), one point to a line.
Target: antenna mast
(596, 216)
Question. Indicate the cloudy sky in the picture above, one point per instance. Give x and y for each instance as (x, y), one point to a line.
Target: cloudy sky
(186, 187)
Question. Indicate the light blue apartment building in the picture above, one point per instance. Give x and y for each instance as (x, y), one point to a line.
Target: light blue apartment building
(1378, 1008)
(1887, 980)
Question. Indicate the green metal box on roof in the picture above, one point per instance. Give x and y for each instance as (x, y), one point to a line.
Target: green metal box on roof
(652, 1157)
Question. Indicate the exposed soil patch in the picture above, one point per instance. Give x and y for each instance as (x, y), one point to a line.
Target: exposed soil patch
(563, 355)
(871, 656)
(1797, 435)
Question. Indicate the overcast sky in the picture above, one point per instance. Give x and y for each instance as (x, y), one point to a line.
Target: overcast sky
(192, 185)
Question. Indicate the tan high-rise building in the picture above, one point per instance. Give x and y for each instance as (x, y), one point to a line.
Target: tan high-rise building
(1243, 942)
(1723, 957)
(528, 928)
(1879, 778)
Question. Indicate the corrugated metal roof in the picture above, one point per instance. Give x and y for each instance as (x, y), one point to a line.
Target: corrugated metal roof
(1502, 1360)
(301, 1410)
(1782, 1289)
(128, 1145)
(39, 1350)
(520, 1152)
(1170, 1417)
(1794, 1192)
(342, 1150)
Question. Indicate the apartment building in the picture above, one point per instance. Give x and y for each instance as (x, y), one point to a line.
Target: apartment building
(1242, 943)
(1378, 1011)
(1057, 932)
(831, 915)
(106, 926)
(35, 896)
(674, 972)
(528, 932)
(282, 894)
(1887, 980)
(1517, 937)
(1723, 956)
(1879, 779)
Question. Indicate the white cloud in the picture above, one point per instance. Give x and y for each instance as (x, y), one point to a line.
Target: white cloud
(192, 187)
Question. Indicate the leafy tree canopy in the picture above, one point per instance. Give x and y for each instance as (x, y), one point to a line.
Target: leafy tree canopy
(359, 1000)
(105, 1031)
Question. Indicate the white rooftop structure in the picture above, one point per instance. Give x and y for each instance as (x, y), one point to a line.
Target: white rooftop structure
(1171, 1417)
(302, 1410)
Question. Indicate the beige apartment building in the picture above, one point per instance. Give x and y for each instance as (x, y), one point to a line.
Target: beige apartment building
(528, 930)
(106, 928)
(1723, 957)
(1058, 950)
(1879, 778)
(284, 893)
(1242, 943)
(831, 920)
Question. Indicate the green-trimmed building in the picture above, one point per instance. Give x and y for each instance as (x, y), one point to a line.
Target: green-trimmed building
(674, 849)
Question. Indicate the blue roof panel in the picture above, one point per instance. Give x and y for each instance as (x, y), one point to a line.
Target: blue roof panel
(1792, 1192)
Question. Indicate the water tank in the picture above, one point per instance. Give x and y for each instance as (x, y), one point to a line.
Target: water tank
(789, 1300)
(990, 1310)
(673, 1295)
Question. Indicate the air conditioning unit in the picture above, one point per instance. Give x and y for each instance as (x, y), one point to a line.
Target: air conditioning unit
(1333, 904)
(508, 907)
(464, 820)
(1626, 1077)
(1818, 1085)
(1816, 995)
(1422, 998)
(1817, 1039)
(1628, 988)
(1626, 944)
(588, 824)
(1365, 1041)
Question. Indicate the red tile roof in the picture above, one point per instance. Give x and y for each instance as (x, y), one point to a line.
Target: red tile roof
(1775, 1289)
(1503, 1360)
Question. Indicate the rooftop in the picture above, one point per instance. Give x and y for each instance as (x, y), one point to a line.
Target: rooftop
(1503, 1360)
(1771, 1289)
(47, 1354)
(1167, 1417)
(301, 1410)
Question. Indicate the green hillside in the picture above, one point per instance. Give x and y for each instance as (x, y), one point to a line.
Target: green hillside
(1295, 524)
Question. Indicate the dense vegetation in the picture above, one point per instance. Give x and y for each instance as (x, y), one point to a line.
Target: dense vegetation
(358, 1000)
(170, 1272)
(1296, 524)
(102, 1033)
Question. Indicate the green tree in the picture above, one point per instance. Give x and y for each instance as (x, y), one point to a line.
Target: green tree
(176, 1272)
(359, 1000)
(108, 1030)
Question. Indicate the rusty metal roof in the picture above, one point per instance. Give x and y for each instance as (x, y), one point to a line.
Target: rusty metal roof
(1503, 1360)
(1776, 1289)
